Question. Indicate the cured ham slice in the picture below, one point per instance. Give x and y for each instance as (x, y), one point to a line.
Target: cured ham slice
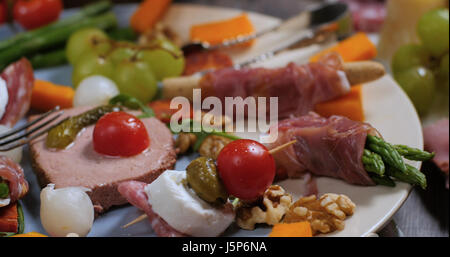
(19, 81)
(331, 147)
(134, 192)
(298, 87)
(9, 218)
(14, 175)
(436, 137)
(367, 15)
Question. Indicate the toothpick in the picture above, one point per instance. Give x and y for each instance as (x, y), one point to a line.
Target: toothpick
(138, 219)
(281, 147)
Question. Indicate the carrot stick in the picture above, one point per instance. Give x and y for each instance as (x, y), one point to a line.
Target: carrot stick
(349, 105)
(297, 229)
(46, 96)
(355, 48)
(148, 14)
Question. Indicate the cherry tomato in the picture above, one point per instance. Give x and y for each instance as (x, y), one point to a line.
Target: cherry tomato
(32, 14)
(120, 134)
(3, 12)
(162, 110)
(246, 168)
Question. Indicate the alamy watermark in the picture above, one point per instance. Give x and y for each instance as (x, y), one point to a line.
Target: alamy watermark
(249, 115)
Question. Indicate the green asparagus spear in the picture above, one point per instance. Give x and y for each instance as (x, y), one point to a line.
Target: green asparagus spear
(387, 152)
(385, 180)
(55, 37)
(49, 59)
(87, 11)
(413, 154)
(411, 175)
(4, 190)
(373, 163)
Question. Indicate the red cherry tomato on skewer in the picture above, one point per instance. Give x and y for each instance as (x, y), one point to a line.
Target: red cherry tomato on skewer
(3, 12)
(246, 168)
(32, 14)
(120, 134)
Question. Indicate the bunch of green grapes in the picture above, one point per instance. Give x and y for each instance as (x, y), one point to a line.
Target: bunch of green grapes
(421, 69)
(135, 69)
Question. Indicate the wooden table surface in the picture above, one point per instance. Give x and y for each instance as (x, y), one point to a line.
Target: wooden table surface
(425, 212)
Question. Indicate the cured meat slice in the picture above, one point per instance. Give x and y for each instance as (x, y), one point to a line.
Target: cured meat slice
(298, 87)
(9, 218)
(19, 81)
(367, 15)
(134, 192)
(436, 138)
(14, 175)
(330, 147)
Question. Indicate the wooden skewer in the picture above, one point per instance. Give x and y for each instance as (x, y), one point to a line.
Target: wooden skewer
(357, 73)
(138, 219)
(281, 147)
(272, 151)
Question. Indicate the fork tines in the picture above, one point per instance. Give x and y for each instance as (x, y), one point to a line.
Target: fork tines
(14, 138)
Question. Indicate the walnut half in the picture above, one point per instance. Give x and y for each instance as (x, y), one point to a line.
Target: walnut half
(212, 145)
(326, 214)
(274, 205)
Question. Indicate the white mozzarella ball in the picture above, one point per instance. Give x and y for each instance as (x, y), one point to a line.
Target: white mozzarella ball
(16, 153)
(95, 90)
(66, 210)
(3, 97)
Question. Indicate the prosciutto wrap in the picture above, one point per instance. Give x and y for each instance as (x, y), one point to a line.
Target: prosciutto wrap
(298, 87)
(13, 174)
(331, 147)
(135, 194)
(19, 80)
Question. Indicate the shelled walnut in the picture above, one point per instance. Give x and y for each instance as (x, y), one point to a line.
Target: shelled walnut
(212, 145)
(275, 203)
(326, 214)
(184, 142)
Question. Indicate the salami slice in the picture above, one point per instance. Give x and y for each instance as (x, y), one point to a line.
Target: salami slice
(134, 192)
(19, 81)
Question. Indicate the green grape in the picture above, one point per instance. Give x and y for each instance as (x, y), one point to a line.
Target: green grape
(120, 54)
(408, 56)
(87, 40)
(135, 78)
(166, 60)
(419, 84)
(91, 64)
(433, 30)
(444, 66)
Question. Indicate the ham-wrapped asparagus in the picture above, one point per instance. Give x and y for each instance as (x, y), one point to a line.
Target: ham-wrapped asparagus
(13, 185)
(341, 148)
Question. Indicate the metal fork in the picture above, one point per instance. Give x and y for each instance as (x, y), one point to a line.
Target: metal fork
(7, 143)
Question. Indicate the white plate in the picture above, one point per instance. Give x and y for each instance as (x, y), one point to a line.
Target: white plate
(386, 107)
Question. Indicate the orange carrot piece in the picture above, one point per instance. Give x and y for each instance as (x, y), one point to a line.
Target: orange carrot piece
(355, 48)
(148, 13)
(220, 31)
(46, 96)
(349, 105)
(297, 229)
(30, 234)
